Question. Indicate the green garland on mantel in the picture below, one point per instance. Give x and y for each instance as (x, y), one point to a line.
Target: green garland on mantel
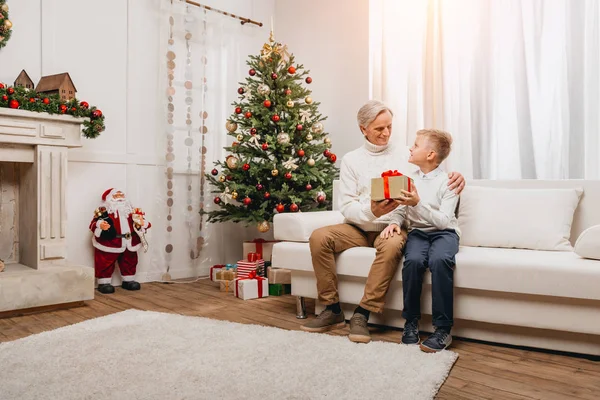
(27, 99)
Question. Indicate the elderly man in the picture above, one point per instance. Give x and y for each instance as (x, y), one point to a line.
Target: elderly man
(365, 219)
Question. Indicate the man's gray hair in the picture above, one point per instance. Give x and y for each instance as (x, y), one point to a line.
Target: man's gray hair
(370, 111)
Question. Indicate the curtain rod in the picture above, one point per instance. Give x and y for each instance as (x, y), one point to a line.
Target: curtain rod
(244, 20)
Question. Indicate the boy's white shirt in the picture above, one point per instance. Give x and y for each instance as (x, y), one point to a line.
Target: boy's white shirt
(437, 205)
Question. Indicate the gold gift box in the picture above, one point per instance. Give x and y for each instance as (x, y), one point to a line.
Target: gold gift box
(279, 275)
(226, 286)
(396, 185)
(226, 275)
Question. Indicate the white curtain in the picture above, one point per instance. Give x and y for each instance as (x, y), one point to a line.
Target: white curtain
(200, 66)
(515, 81)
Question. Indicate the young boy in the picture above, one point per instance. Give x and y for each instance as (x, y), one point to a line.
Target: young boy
(432, 239)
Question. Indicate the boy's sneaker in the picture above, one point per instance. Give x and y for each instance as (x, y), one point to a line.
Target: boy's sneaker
(411, 332)
(359, 331)
(438, 341)
(326, 321)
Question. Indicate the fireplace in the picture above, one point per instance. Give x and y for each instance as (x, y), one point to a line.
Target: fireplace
(33, 219)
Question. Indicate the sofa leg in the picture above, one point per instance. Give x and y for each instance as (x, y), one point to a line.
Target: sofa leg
(300, 308)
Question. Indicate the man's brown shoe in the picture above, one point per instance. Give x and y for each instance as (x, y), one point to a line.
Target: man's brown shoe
(359, 331)
(326, 321)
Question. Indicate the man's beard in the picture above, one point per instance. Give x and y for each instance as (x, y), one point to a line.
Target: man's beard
(122, 207)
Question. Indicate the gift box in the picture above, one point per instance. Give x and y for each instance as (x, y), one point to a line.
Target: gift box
(252, 287)
(390, 185)
(213, 271)
(226, 286)
(279, 289)
(260, 246)
(252, 263)
(226, 275)
(279, 275)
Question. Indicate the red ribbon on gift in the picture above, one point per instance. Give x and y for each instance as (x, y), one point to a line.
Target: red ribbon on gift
(252, 257)
(386, 183)
(259, 245)
(252, 275)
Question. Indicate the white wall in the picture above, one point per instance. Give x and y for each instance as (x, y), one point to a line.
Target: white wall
(111, 50)
(331, 39)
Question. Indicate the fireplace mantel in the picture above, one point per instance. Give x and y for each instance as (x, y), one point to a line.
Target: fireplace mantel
(42, 276)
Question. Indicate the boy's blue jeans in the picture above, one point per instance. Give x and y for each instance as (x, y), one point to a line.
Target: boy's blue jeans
(434, 250)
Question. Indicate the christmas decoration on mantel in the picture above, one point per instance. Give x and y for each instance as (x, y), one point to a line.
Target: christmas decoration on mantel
(280, 159)
(54, 94)
(5, 24)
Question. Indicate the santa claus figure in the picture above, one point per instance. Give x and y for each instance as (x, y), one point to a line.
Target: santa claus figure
(119, 231)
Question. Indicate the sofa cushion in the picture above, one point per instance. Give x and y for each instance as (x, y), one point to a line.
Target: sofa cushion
(549, 273)
(588, 243)
(297, 227)
(538, 219)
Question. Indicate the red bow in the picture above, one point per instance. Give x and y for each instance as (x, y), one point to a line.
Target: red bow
(252, 257)
(390, 173)
(386, 183)
(252, 275)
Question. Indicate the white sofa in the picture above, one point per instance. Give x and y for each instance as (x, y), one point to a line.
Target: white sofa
(543, 299)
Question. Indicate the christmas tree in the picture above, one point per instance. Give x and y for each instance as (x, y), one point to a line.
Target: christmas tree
(280, 160)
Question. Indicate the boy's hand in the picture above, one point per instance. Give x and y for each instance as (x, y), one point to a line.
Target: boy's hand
(379, 208)
(410, 198)
(389, 231)
(456, 181)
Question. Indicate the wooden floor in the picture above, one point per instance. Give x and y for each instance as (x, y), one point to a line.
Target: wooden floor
(481, 372)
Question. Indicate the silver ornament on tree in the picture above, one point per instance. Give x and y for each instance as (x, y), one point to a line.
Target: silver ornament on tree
(317, 128)
(263, 89)
(231, 126)
(310, 162)
(283, 138)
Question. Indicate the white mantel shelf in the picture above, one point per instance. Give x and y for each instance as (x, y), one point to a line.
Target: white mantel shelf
(42, 276)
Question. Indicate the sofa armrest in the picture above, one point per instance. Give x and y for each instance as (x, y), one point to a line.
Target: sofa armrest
(297, 227)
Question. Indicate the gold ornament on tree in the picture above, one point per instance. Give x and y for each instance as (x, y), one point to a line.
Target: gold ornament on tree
(234, 195)
(310, 162)
(283, 138)
(7, 24)
(5, 7)
(232, 162)
(222, 178)
(231, 126)
(317, 128)
(308, 100)
(309, 137)
(290, 103)
(327, 140)
(274, 172)
(263, 226)
(240, 137)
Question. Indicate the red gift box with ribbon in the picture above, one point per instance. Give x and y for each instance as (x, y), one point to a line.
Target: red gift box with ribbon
(260, 246)
(252, 264)
(251, 287)
(213, 271)
(390, 185)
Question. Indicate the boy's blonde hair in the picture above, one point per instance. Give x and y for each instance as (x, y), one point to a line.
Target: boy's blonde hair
(440, 140)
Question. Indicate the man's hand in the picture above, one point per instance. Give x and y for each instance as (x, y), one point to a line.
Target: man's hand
(456, 181)
(389, 231)
(104, 225)
(410, 198)
(379, 208)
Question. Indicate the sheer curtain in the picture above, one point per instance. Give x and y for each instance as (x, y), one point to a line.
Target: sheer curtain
(199, 66)
(516, 82)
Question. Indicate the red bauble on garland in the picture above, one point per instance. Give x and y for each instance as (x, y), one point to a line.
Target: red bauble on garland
(10, 90)
(46, 100)
(13, 104)
(83, 104)
(293, 207)
(2, 85)
(32, 100)
(96, 114)
(247, 201)
(280, 208)
(63, 109)
(4, 98)
(267, 103)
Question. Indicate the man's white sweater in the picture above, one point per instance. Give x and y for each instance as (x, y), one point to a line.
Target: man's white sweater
(357, 169)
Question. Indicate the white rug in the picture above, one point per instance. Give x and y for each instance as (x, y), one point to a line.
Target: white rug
(149, 355)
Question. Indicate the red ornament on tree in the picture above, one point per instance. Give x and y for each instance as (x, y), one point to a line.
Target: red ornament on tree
(326, 153)
(265, 146)
(267, 195)
(308, 187)
(238, 110)
(332, 157)
(229, 177)
(4, 98)
(292, 70)
(275, 118)
(214, 172)
(288, 92)
(320, 199)
(10, 90)
(300, 153)
(217, 200)
(2, 85)
(273, 76)
(288, 175)
(13, 104)
(246, 167)
(259, 187)
(46, 100)
(234, 144)
(299, 127)
(252, 72)
(241, 90)
(267, 103)
(32, 100)
(96, 113)
(63, 109)
(247, 201)
(73, 109)
(253, 131)
(248, 115)
(83, 104)
(308, 79)
(280, 208)
(293, 207)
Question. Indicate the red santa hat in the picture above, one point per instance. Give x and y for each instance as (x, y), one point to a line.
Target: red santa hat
(108, 193)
